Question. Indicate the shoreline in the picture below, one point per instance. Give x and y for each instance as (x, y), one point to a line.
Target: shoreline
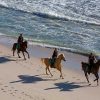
(44, 45)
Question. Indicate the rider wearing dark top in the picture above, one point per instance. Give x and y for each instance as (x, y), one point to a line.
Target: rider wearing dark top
(20, 40)
(54, 56)
(92, 60)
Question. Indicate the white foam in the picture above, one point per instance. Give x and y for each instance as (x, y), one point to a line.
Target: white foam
(2, 34)
(2, 2)
(65, 11)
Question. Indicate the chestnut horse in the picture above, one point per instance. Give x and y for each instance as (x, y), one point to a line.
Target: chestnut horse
(57, 64)
(22, 48)
(94, 70)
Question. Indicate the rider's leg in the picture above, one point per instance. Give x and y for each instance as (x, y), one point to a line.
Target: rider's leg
(53, 62)
(89, 69)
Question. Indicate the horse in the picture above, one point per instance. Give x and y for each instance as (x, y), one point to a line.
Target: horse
(94, 70)
(57, 64)
(22, 48)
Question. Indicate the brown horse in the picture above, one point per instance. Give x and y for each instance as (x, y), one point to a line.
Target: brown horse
(22, 48)
(57, 64)
(94, 70)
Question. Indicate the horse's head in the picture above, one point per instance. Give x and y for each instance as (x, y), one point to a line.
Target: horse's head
(98, 62)
(25, 43)
(62, 57)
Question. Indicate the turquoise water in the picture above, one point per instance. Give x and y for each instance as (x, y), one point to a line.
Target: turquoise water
(68, 24)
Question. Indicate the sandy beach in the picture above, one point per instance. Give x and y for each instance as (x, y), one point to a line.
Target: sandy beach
(26, 80)
(71, 26)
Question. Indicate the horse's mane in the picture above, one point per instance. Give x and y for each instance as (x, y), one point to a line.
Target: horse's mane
(24, 44)
(25, 41)
(61, 54)
(98, 62)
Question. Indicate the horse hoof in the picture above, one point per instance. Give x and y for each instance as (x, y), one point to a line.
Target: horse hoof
(51, 75)
(89, 84)
(95, 80)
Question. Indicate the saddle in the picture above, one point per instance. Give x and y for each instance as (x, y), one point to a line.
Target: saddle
(18, 46)
(52, 62)
(89, 68)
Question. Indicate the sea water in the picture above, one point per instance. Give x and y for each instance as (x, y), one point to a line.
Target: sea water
(68, 24)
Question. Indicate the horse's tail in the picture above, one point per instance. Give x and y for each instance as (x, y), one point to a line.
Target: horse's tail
(14, 47)
(82, 65)
(42, 60)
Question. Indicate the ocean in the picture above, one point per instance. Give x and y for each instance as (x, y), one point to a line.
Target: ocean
(72, 25)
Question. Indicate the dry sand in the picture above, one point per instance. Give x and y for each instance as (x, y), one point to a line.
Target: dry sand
(26, 80)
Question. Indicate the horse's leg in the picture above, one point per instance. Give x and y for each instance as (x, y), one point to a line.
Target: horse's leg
(18, 54)
(13, 52)
(87, 77)
(46, 71)
(97, 77)
(27, 54)
(23, 55)
(59, 69)
(14, 48)
(49, 71)
(61, 73)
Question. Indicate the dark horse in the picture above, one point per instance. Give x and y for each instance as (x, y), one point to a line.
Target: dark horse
(94, 70)
(22, 48)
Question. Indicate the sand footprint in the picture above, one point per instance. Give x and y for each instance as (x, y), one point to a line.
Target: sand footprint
(1, 84)
(5, 86)
(16, 93)
(73, 77)
(2, 89)
(15, 90)
(78, 79)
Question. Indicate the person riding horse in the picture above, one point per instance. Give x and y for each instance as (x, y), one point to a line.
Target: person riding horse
(54, 56)
(20, 40)
(91, 60)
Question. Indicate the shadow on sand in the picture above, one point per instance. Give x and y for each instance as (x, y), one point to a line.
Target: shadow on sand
(63, 86)
(5, 59)
(29, 79)
(66, 86)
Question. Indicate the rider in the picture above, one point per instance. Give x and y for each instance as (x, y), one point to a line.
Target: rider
(20, 40)
(91, 60)
(54, 56)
